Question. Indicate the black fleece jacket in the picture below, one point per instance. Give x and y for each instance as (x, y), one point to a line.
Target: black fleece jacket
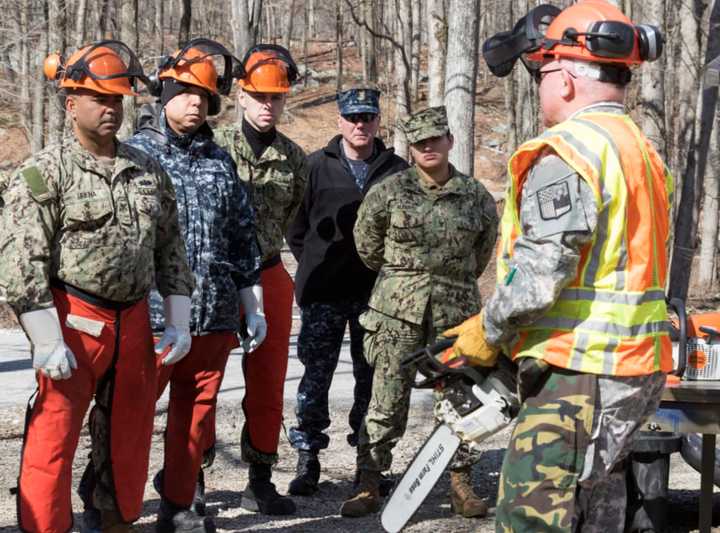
(321, 237)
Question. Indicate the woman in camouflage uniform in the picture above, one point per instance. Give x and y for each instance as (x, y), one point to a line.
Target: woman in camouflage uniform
(430, 232)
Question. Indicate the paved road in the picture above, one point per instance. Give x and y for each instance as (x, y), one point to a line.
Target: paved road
(17, 382)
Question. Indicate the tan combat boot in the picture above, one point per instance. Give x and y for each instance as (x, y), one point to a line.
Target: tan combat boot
(367, 499)
(463, 500)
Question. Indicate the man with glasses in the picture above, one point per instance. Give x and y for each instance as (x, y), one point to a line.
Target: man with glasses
(582, 266)
(332, 285)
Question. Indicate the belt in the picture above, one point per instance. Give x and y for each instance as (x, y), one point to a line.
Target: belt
(90, 298)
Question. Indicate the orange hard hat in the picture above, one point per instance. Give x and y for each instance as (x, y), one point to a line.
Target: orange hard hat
(194, 68)
(591, 30)
(98, 68)
(265, 72)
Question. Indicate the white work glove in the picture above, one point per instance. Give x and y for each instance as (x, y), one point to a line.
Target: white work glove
(50, 354)
(251, 299)
(177, 329)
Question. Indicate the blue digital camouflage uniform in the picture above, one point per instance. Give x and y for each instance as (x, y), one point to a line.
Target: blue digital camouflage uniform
(218, 223)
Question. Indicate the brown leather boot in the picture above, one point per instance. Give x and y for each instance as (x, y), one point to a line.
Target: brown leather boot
(367, 499)
(463, 500)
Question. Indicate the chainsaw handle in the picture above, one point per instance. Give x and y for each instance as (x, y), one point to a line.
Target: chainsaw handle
(678, 305)
(711, 331)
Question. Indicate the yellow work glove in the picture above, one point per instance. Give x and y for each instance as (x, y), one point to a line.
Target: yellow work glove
(471, 343)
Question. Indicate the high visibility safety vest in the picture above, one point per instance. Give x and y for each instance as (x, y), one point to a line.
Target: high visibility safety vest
(611, 319)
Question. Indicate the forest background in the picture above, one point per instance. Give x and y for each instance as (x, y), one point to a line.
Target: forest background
(419, 53)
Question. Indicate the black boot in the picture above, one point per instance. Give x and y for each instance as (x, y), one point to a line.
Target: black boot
(171, 519)
(91, 521)
(260, 494)
(308, 474)
(198, 504)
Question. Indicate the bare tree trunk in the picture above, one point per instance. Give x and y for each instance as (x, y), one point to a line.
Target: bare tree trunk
(370, 71)
(80, 18)
(129, 35)
(339, 45)
(521, 94)
(160, 26)
(652, 89)
(437, 46)
(24, 60)
(38, 99)
(305, 44)
(311, 18)
(185, 22)
(416, 10)
(57, 19)
(707, 275)
(107, 28)
(402, 73)
(692, 165)
(287, 38)
(460, 76)
(246, 18)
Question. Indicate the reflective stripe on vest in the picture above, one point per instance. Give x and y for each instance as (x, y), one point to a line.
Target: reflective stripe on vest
(611, 319)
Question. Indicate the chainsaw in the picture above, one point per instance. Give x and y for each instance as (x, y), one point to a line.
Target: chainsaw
(475, 403)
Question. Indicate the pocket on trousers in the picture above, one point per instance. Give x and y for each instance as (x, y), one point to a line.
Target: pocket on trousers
(86, 325)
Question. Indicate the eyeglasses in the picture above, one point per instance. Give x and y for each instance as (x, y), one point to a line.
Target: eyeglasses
(538, 74)
(360, 117)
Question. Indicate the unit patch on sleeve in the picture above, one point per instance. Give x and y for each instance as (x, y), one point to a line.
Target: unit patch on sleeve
(554, 200)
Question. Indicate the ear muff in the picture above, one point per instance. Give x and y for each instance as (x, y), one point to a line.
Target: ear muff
(53, 66)
(607, 38)
(154, 85)
(650, 41)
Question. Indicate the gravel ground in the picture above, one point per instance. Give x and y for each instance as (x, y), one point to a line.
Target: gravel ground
(227, 477)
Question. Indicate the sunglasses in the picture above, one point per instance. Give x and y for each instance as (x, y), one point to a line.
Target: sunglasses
(360, 117)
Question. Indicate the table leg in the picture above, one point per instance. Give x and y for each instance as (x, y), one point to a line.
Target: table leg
(706, 482)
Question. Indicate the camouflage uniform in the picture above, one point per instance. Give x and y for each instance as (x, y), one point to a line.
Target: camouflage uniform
(276, 182)
(100, 231)
(218, 223)
(564, 466)
(430, 244)
(110, 231)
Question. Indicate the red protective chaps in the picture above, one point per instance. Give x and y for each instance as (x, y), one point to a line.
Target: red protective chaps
(194, 384)
(114, 350)
(265, 368)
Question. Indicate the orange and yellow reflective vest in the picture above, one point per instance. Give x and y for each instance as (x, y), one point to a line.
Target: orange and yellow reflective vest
(611, 319)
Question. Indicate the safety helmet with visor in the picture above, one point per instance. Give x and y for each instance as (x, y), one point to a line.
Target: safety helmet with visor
(106, 67)
(267, 68)
(197, 64)
(590, 30)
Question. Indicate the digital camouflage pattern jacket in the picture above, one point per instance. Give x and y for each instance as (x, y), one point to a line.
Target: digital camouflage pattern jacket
(276, 182)
(429, 244)
(107, 228)
(216, 220)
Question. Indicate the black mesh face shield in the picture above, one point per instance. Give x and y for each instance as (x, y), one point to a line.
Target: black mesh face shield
(502, 50)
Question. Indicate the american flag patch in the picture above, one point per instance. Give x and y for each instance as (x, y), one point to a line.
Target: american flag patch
(554, 200)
